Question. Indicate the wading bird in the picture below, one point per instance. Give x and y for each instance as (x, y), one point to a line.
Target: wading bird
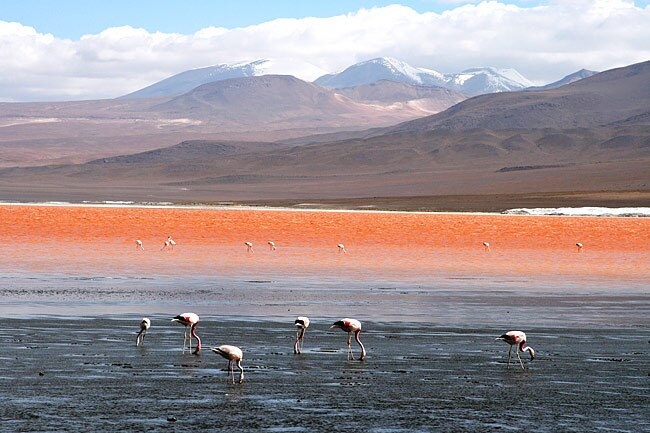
(271, 245)
(167, 244)
(517, 338)
(350, 326)
(302, 323)
(139, 245)
(486, 246)
(145, 324)
(249, 247)
(342, 249)
(579, 246)
(191, 320)
(234, 355)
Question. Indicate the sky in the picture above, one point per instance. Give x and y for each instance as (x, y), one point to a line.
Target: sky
(71, 49)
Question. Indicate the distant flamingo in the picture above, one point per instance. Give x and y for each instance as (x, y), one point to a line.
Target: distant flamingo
(234, 356)
(191, 320)
(139, 245)
(486, 246)
(249, 247)
(349, 326)
(172, 242)
(271, 245)
(579, 245)
(302, 323)
(342, 249)
(517, 338)
(145, 324)
(167, 244)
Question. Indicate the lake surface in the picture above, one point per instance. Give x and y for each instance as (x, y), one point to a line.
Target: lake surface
(73, 288)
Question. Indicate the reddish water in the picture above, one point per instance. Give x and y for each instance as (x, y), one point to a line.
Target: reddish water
(395, 246)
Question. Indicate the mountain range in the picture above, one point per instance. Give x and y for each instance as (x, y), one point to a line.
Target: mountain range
(590, 135)
(472, 81)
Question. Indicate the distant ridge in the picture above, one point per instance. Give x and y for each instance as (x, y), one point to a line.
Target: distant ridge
(571, 78)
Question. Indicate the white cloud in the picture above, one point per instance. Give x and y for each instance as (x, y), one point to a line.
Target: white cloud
(543, 42)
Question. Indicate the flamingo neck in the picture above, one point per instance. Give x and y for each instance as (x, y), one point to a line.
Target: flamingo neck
(193, 332)
(528, 349)
(363, 349)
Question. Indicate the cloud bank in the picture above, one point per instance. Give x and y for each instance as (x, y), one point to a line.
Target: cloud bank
(544, 43)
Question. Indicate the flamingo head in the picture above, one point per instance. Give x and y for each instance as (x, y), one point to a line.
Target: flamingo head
(532, 353)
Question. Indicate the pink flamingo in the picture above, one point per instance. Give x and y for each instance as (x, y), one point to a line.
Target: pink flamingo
(486, 246)
(271, 245)
(249, 247)
(191, 320)
(139, 245)
(234, 356)
(342, 249)
(302, 323)
(145, 324)
(167, 244)
(579, 246)
(349, 326)
(517, 338)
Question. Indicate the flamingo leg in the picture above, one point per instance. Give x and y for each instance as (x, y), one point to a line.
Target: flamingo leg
(296, 347)
(519, 357)
(184, 338)
(350, 354)
(509, 355)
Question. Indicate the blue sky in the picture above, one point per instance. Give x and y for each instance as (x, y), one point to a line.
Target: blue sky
(73, 18)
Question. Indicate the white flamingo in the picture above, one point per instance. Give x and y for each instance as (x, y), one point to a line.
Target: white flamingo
(191, 320)
(271, 245)
(139, 245)
(234, 356)
(145, 324)
(350, 326)
(486, 246)
(342, 249)
(302, 323)
(517, 338)
(249, 247)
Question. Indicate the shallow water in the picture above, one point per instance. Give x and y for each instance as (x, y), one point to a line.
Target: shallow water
(87, 375)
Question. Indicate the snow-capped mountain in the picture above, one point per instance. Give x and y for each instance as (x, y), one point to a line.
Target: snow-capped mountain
(382, 68)
(471, 81)
(476, 81)
(185, 81)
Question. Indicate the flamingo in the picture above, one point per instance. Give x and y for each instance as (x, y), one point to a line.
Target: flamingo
(302, 323)
(171, 241)
(349, 326)
(145, 324)
(234, 355)
(486, 246)
(249, 247)
(342, 249)
(271, 245)
(191, 320)
(579, 245)
(139, 245)
(166, 245)
(517, 338)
